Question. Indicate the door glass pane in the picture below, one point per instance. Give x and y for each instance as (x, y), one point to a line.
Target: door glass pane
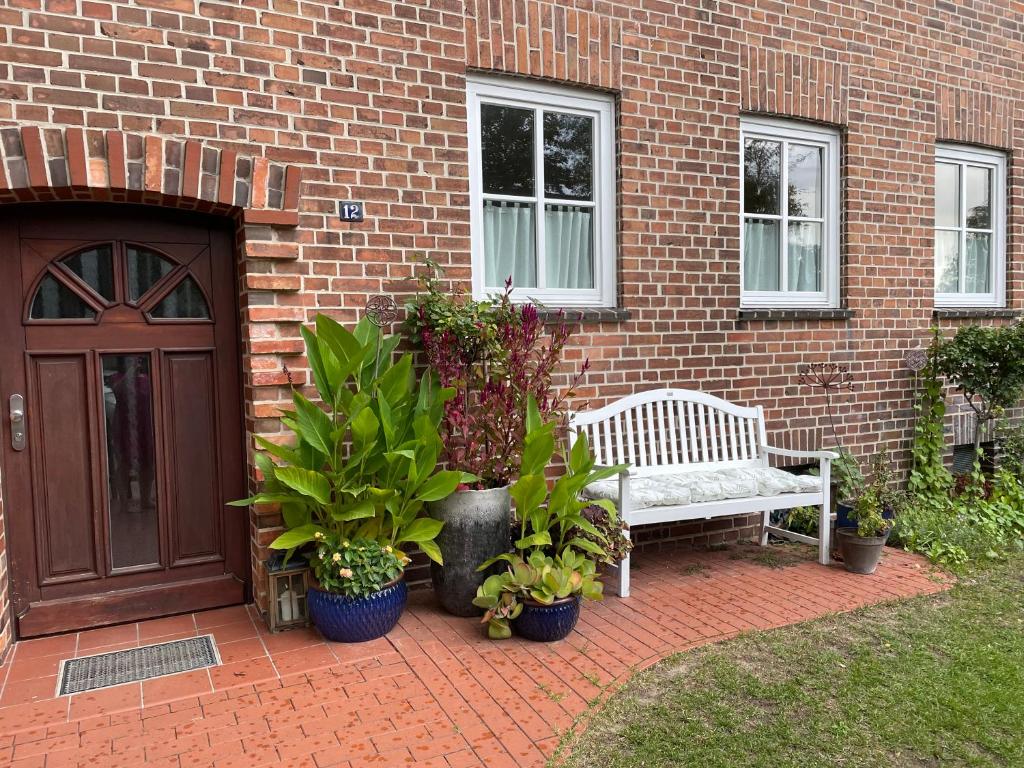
(568, 246)
(978, 194)
(762, 163)
(96, 267)
(185, 301)
(760, 255)
(804, 256)
(947, 262)
(55, 301)
(568, 156)
(947, 195)
(509, 244)
(145, 268)
(506, 150)
(978, 263)
(804, 181)
(131, 460)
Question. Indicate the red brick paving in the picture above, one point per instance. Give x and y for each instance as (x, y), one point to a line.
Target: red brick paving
(433, 694)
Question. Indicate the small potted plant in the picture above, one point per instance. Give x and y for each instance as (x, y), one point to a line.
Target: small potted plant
(493, 354)
(554, 562)
(355, 481)
(359, 593)
(873, 515)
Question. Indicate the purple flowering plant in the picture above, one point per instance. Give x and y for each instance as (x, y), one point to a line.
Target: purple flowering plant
(495, 355)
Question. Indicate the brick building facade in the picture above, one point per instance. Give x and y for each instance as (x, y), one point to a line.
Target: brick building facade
(269, 112)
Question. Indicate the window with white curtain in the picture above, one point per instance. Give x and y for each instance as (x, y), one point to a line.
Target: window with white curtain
(789, 239)
(542, 192)
(970, 227)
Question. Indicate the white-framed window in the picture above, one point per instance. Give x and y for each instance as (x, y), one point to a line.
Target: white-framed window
(542, 191)
(789, 207)
(970, 227)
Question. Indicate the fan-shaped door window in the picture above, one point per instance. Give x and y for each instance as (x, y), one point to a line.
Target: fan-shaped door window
(55, 301)
(145, 269)
(186, 300)
(95, 268)
(78, 287)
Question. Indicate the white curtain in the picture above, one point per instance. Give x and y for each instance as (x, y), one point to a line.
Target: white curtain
(509, 235)
(567, 246)
(977, 268)
(760, 255)
(804, 257)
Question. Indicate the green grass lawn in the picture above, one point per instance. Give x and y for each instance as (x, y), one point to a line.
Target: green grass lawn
(935, 681)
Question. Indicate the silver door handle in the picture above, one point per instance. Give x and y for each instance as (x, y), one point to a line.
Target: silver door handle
(17, 413)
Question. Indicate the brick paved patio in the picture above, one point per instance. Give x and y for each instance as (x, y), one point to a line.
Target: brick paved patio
(433, 694)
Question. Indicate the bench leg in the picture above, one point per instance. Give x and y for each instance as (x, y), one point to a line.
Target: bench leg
(824, 533)
(624, 573)
(764, 527)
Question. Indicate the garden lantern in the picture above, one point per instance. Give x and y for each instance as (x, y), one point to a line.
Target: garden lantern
(287, 589)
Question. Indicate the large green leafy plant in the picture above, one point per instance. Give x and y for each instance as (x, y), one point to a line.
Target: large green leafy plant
(985, 520)
(551, 558)
(363, 461)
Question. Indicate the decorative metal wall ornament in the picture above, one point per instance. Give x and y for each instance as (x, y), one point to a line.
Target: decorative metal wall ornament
(380, 311)
(916, 359)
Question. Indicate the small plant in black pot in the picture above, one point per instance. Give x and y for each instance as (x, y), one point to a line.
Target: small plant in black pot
(873, 515)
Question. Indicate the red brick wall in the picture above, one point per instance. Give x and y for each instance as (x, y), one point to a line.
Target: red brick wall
(367, 98)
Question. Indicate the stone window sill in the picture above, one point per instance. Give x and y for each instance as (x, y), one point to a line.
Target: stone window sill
(973, 313)
(747, 315)
(585, 315)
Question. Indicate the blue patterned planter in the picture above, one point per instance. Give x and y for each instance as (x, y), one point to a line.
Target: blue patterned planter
(546, 623)
(357, 619)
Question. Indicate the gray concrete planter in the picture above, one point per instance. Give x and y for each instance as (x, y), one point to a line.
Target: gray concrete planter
(860, 553)
(476, 528)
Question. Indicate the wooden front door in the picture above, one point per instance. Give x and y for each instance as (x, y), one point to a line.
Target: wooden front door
(122, 440)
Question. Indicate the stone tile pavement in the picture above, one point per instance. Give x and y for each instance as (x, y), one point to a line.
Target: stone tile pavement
(435, 693)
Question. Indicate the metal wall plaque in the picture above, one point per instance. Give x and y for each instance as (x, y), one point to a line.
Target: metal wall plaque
(350, 211)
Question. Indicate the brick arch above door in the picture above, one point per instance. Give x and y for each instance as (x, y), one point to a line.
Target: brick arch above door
(39, 164)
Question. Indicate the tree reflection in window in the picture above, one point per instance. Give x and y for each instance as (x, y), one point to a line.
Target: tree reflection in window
(185, 301)
(145, 269)
(55, 301)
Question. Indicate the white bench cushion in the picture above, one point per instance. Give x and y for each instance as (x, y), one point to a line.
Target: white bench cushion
(681, 488)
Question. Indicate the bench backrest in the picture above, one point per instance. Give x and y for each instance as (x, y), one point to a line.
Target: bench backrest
(672, 430)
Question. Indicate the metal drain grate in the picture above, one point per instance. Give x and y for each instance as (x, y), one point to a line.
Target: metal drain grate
(106, 669)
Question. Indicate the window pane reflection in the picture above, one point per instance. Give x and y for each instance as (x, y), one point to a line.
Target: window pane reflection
(131, 460)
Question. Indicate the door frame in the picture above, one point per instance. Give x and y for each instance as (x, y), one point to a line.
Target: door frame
(234, 585)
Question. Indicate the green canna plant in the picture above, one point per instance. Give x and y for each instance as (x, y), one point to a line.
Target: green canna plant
(364, 461)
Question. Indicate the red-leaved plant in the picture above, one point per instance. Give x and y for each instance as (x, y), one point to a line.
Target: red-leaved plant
(493, 374)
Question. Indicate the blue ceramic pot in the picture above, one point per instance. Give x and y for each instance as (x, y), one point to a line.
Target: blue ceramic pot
(546, 623)
(357, 619)
(843, 519)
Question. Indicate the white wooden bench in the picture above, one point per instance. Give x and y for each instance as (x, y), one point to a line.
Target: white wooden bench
(669, 433)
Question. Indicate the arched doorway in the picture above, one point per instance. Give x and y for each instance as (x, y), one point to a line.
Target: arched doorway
(123, 441)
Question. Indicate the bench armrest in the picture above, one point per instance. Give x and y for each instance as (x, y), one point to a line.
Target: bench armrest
(832, 455)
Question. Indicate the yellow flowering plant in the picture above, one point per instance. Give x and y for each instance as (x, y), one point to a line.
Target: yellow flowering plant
(353, 567)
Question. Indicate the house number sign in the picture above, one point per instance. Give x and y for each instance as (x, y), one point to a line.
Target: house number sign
(350, 211)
